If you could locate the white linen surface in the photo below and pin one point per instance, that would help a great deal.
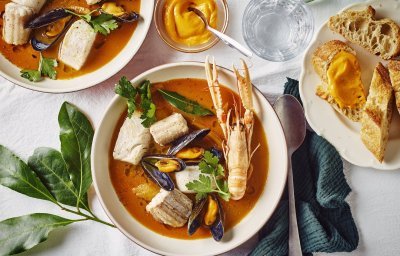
(28, 120)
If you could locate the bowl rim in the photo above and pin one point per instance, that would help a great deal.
(201, 49)
(120, 227)
(120, 65)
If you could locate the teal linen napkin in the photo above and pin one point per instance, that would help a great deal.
(324, 218)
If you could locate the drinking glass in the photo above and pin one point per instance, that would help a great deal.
(277, 30)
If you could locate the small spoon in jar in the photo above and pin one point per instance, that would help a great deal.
(224, 38)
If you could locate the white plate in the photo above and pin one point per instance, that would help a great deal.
(337, 129)
(12, 73)
(152, 241)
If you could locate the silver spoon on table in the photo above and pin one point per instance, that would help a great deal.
(224, 38)
(291, 114)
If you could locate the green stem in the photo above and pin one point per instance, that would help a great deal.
(87, 217)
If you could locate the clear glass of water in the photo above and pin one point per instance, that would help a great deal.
(277, 30)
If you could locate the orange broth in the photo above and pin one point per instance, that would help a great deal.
(104, 49)
(125, 176)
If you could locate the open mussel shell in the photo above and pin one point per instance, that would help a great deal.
(196, 217)
(157, 157)
(47, 18)
(216, 152)
(185, 140)
(217, 228)
(162, 179)
(128, 17)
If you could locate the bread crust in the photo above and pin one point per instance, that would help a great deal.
(394, 72)
(321, 61)
(380, 37)
(377, 116)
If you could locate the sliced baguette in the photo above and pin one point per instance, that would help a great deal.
(394, 71)
(377, 114)
(321, 60)
(380, 37)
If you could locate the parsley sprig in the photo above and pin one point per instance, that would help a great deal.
(212, 173)
(125, 89)
(103, 23)
(46, 68)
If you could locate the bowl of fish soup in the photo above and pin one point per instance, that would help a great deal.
(105, 59)
(167, 244)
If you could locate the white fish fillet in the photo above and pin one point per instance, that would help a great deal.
(90, 2)
(169, 129)
(77, 43)
(190, 174)
(36, 5)
(172, 208)
(14, 18)
(133, 140)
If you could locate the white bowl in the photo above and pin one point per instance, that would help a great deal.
(12, 73)
(152, 241)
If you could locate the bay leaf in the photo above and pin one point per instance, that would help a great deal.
(22, 233)
(16, 175)
(52, 170)
(76, 135)
(184, 104)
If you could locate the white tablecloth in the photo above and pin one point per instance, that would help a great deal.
(29, 120)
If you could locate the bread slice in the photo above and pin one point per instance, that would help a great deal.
(321, 60)
(380, 37)
(377, 114)
(394, 71)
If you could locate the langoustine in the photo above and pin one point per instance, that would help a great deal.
(238, 134)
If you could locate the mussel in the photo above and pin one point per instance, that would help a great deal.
(185, 140)
(162, 179)
(49, 27)
(118, 12)
(157, 167)
(200, 216)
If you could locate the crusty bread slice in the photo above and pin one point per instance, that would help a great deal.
(394, 71)
(380, 37)
(321, 60)
(377, 114)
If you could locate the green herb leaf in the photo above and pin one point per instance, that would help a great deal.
(52, 170)
(184, 104)
(46, 67)
(16, 175)
(22, 233)
(31, 75)
(125, 89)
(202, 185)
(104, 24)
(76, 137)
(212, 173)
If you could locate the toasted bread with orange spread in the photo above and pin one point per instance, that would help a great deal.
(336, 64)
(377, 116)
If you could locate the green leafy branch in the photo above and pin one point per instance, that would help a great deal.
(125, 89)
(212, 173)
(61, 177)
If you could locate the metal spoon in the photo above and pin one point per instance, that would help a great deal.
(291, 115)
(224, 38)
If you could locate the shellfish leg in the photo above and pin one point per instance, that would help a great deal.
(213, 86)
